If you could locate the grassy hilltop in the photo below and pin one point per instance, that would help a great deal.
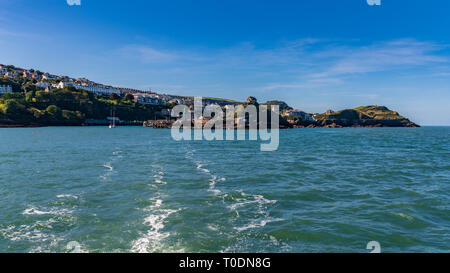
(372, 115)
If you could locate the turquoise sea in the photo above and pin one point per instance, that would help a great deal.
(133, 189)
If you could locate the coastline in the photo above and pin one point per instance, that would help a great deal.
(3, 126)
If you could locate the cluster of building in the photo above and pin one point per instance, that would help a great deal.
(5, 89)
(295, 113)
(96, 89)
(48, 82)
(150, 98)
(12, 72)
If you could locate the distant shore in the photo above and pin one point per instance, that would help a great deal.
(168, 126)
(60, 125)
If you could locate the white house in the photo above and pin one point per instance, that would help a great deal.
(43, 85)
(300, 114)
(5, 89)
(152, 99)
(47, 76)
(94, 89)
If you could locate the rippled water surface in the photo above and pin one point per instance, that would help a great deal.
(134, 189)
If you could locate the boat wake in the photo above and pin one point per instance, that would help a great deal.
(251, 211)
(43, 228)
(109, 165)
(213, 179)
(152, 241)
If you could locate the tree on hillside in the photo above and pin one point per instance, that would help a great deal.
(114, 96)
(53, 110)
(28, 87)
(70, 88)
(129, 97)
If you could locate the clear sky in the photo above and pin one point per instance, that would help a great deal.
(313, 54)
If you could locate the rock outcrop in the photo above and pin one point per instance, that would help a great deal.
(364, 116)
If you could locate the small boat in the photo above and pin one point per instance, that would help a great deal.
(113, 113)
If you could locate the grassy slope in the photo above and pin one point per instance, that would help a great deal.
(62, 106)
(363, 113)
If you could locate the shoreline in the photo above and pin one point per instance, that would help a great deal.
(5, 126)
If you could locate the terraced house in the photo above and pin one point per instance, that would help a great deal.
(5, 89)
(99, 90)
(152, 99)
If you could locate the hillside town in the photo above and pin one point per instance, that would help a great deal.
(33, 84)
(49, 82)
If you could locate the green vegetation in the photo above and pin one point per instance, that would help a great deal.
(379, 112)
(348, 114)
(68, 106)
(16, 85)
(363, 113)
(374, 116)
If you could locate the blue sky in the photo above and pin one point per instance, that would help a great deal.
(315, 55)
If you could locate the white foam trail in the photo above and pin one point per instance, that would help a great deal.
(407, 217)
(159, 179)
(67, 196)
(109, 172)
(213, 178)
(212, 184)
(33, 233)
(258, 223)
(152, 240)
(248, 201)
(39, 233)
(108, 165)
(200, 167)
(158, 174)
(259, 200)
(213, 227)
(34, 211)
